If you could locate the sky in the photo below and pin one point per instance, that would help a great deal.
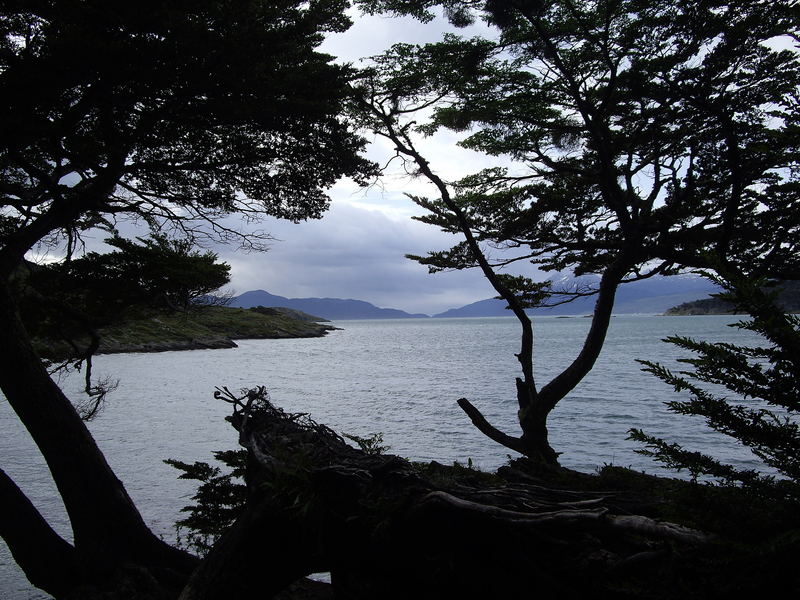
(357, 250)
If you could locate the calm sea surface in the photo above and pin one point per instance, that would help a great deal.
(398, 377)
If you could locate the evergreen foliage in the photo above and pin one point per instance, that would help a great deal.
(67, 303)
(158, 271)
(176, 115)
(221, 496)
(168, 113)
(614, 126)
(218, 500)
(370, 444)
(764, 384)
(622, 138)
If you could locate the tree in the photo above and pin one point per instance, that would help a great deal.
(177, 114)
(766, 381)
(314, 503)
(630, 138)
(162, 272)
(71, 301)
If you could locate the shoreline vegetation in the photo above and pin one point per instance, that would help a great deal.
(787, 298)
(617, 139)
(208, 327)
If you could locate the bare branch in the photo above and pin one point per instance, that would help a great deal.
(489, 430)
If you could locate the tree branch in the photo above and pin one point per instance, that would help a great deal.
(565, 382)
(488, 429)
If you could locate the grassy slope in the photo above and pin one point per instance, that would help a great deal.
(209, 327)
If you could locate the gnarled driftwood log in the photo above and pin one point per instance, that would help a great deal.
(386, 528)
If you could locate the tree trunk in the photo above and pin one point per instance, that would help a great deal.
(108, 529)
(49, 562)
(263, 550)
(535, 443)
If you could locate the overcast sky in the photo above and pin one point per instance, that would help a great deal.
(357, 250)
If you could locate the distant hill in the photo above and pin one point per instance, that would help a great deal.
(705, 306)
(650, 296)
(788, 299)
(328, 308)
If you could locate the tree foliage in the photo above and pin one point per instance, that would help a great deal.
(219, 498)
(764, 386)
(175, 114)
(69, 301)
(161, 272)
(629, 139)
(181, 112)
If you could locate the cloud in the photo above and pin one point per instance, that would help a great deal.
(372, 34)
(355, 252)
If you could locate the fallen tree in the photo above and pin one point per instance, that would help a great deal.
(388, 528)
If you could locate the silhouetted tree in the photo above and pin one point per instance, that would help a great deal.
(158, 271)
(173, 114)
(764, 379)
(630, 138)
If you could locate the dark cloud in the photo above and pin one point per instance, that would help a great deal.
(353, 252)
(357, 250)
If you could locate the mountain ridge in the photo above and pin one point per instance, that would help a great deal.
(649, 296)
(328, 308)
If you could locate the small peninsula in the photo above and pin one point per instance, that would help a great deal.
(201, 328)
(788, 298)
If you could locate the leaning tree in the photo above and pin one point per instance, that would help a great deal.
(624, 139)
(175, 114)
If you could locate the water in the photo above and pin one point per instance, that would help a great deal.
(398, 377)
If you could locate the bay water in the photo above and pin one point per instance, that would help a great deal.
(397, 377)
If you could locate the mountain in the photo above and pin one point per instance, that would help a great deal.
(649, 296)
(328, 308)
